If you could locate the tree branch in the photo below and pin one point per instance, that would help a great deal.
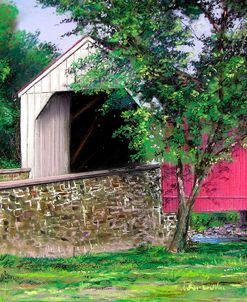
(209, 17)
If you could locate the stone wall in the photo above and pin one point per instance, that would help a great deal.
(169, 222)
(84, 212)
(13, 174)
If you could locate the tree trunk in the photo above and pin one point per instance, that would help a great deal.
(185, 206)
(243, 219)
(179, 240)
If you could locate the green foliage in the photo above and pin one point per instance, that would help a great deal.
(22, 56)
(4, 70)
(203, 221)
(137, 128)
(8, 164)
(201, 114)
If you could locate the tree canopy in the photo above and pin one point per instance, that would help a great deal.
(194, 111)
(22, 56)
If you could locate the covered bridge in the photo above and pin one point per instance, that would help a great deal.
(61, 133)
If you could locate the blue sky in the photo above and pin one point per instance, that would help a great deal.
(32, 17)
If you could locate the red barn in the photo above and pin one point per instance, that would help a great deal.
(225, 189)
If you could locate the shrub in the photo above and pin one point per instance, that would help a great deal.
(203, 221)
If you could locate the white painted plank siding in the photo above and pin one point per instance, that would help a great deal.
(24, 131)
(44, 76)
(45, 125)
(56, 79)
(70, 77)
(45, 85)
(44, 99)
(62, 76)
(52, 138)
(30, 135)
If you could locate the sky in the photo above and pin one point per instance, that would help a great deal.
(32, 18)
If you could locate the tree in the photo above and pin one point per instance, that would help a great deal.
(193, 112)
(22, 56)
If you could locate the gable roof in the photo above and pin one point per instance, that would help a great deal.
(54, 64)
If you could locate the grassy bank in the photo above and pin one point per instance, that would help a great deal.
(205, 273)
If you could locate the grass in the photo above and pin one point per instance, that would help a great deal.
(205, 273)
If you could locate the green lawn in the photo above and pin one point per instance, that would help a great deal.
(205, 273)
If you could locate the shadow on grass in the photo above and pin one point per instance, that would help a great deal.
(141, 258)
(142, 274)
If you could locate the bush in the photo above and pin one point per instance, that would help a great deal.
(203, 221)
(8, 164)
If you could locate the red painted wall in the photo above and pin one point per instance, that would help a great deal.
(225, 189)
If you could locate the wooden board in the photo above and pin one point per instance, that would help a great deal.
(225, 189)
(52, 131)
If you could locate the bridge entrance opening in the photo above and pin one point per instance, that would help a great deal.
(92, 146)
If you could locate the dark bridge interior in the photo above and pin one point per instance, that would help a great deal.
(91, 144)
